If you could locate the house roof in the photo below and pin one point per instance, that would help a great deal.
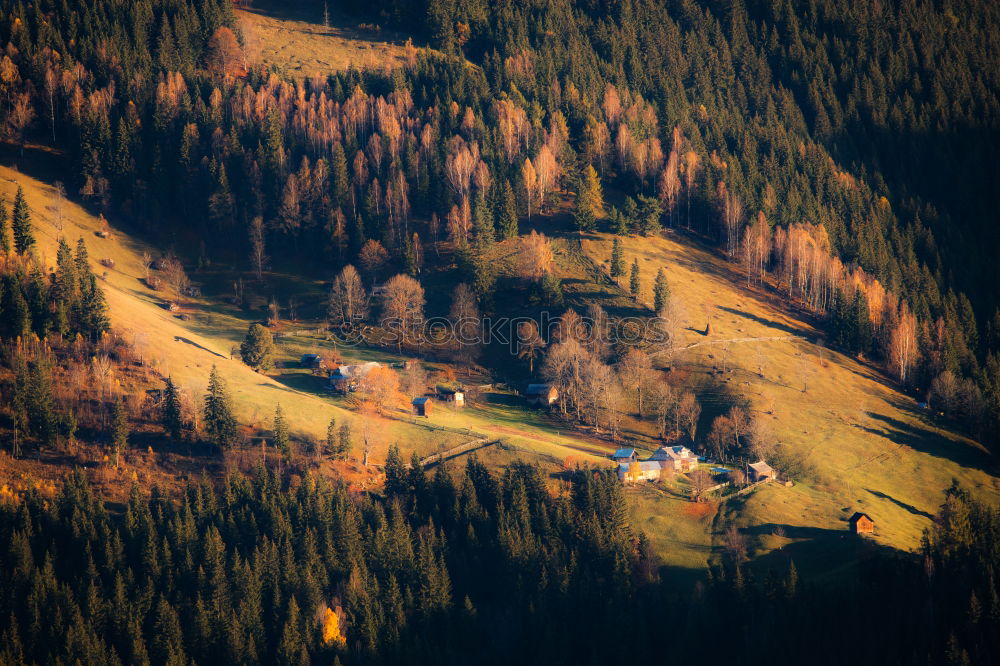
(421, 401)
(359, 370)
(538, 389)
(644, 466)
(673, 453)
(448, 390)
(310, 357)
(761, 467)
(624, 453)
(858, 516)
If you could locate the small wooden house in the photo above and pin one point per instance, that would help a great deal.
(633, 472)
(422, 406)
(310, 361)
(761, 471)
(541, 394)
(862, 523)
(449, 394)
(624, 456)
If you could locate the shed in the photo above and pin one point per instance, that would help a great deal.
(422, 406)
(310, 361)
(624, 455)
(541, 394)
(761, 471)
(862, 523)
(449, 394)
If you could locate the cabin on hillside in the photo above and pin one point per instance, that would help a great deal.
(311, 361)
(624, 455)
(422, 406)
(450, 394)
(633, 472)
(862, 523)
(345, 378)
(541, 394)
(681, 458)
(761, 471)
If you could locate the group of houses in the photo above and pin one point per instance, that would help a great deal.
(666, 459)
(672, 459)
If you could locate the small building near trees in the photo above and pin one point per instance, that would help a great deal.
(422, 406)
(761, 471)
(862, 523)
(626, 455)
(451, 394)
(541, 394)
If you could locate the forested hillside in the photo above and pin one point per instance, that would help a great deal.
(817, 175)
(720, 118)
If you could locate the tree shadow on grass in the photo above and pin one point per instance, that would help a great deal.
(931, 443)
(903, 505)
(764, 321)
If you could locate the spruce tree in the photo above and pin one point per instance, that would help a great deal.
(170, 413)
(82, 261)
(21, 223)
(220, 423)
(395, 473)
(66, 282)
(282, 442)
(633, 279)
(344, 440)
(507, 213)
(257, 349)
(93, 311)
(16, 311)
(331, 436)
(617, 259)
(482, 223)
(119, 429)
(4, 237)
(589, 200)
(661, 291)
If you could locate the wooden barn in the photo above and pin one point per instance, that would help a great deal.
(541, 394)
(862, 523)
(451, 394)
(761, 471)
(422, 406)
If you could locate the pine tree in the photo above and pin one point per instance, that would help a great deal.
(633, 279)
(16, 311)
(331, 436)
(119, 429)
(4, 237)
(170, 414)
(395, 473)
(344, 440)
(66, 282)
(482, 221)
(82, 261)
(589, 200)
(257, 349)
(280, 428)
(617, 259)
(650, 211)
(220, 423)
(21, 223)
(661, 291)
(93, 312)
(507, 213)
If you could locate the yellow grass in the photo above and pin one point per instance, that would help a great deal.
(856, 443)
(297, 43)
(186, 350)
